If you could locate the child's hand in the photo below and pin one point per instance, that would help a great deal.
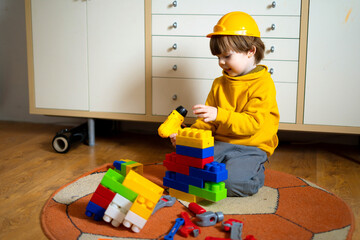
(173, 139)
(208, 113)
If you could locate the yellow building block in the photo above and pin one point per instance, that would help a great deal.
(196, 138)
(137, 167)
(143, 186)
(143, 207)
(184, 196)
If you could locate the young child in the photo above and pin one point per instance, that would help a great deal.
(241, 108)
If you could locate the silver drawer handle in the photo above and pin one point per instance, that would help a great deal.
(174, 97)
(273, 4)
(174, 46)
(271, 71)
(174, 25)
(272, 49)
(174, 67)
(174, 3)
(272, 27)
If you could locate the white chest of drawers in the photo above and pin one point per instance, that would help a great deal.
(182, 65)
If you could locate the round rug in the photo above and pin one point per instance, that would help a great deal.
(287, 207)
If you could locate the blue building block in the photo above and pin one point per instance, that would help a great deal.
(212, 172)
(96, 210)
(170, 181)
(195, 152)
(190, 180)
(117, 164)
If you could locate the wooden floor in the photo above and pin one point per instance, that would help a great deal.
(31, 171)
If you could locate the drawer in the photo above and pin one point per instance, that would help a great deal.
(169, 93)
(259, 7)
(286, 95)
(282, 71)
(176, 46)
(185, 68)
(281, 49)
(201, 25)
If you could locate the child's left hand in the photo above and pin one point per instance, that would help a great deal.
(208, 113)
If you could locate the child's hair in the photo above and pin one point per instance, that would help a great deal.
(224, 43)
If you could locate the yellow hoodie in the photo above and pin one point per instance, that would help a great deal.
(247, 110)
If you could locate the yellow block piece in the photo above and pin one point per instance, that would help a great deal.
(143, 186)
(137, 167)
(143, 207)
(184, 196)
(193, 137)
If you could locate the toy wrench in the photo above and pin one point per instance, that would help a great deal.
(174, 229)
(165, 201)
(189, 226)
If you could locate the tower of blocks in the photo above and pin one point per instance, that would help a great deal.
(192, 174)
(124, 196)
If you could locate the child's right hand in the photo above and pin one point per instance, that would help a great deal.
(173, 139)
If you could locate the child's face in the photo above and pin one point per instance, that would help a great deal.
(236, 64)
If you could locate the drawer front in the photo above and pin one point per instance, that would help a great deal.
(283, 71)
(175, 46)
(286, 94)
(201, 25)
(281, 49)
(259, 7)
(185, 68)
(169, 93)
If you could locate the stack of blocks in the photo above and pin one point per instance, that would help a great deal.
(124, 196)
(192, 172)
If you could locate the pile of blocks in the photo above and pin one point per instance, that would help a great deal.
(124, 196)
(192, 174)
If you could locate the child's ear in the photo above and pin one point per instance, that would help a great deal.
(251, 52)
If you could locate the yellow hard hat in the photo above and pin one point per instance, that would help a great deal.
(236, 23)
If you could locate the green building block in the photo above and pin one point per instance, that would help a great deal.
(211, 191)
(113, 180)
(124, 167)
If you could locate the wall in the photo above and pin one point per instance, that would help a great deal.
(14, 96)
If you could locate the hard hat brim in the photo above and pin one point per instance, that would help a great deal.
(231, 33)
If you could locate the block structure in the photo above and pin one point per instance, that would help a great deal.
(124, 196)
(191, 170)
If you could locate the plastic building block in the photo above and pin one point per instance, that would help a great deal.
(195, 152)
(171, 164)
(190, 180)
(215, 238)
(105, 192)
(165, 201)
(211, 191)
(178, 223)
(100, 200)
(212, 172)
(189, 226)
(196, 138)
(143, 186)
(116, 211)
(173, 122)
(143, 207)
(113, 180)
(136, 167)
(125, 165)
(196, 208)
(192, 161)
(95, 210)
(170, 181)
(249, 237)
(184, 196)
(134, 221)
(209, 218)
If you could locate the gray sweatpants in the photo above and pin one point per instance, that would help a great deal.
(244, 165)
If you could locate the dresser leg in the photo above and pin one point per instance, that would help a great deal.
(91, 131)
